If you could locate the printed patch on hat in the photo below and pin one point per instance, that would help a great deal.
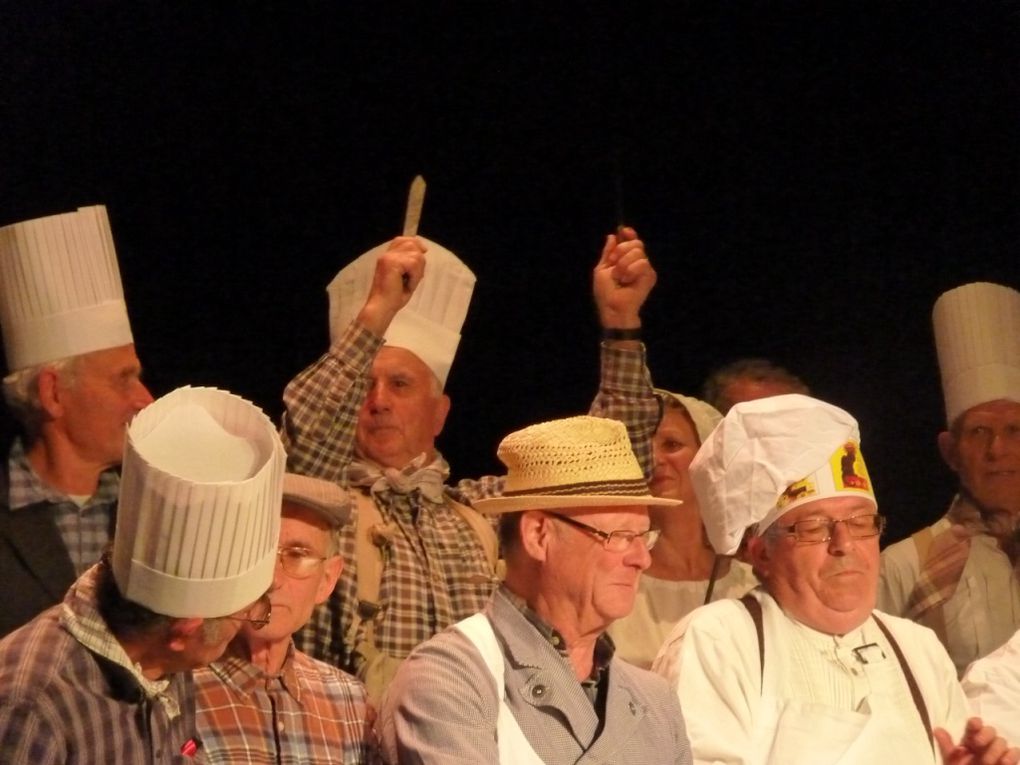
(806, 487)
(849, 472)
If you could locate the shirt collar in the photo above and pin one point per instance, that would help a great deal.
(234, 669)
(604, 646)
(27, 488)
(80, 617)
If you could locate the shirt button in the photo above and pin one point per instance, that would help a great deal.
(279, 726)
(538, 691)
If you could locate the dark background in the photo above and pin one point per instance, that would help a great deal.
(808, 178)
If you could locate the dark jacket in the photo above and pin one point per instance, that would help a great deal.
(35, 568)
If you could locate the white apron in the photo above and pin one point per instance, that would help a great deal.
(791, 732)
(514, 747)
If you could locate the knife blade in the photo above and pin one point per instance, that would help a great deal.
(415, 200)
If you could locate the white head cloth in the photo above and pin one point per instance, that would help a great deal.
(60, 289)
(429, 325)
(763, 448)
(199, 515)
(977, 337)
(704, 415)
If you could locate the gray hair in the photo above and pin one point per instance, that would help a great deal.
(758, 370)
(21, 391)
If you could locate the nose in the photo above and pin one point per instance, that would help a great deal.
(142, 397)
(658, 454)
(840, 539)
(279, 575)
(996, 446)
(638, 555)
(378, 399)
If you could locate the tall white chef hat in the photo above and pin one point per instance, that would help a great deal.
(771, 455)
(198, 521)
(429, 325)
(977, 337)
(60, 289)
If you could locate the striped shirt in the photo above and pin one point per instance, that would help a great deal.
(436, 571)
(63, 702)
(310, 712)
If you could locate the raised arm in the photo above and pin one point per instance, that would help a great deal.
(621, 282)
(323, 401)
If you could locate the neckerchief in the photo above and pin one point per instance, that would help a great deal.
(427, 479)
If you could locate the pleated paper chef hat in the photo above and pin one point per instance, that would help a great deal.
(198, 521)
(60, 289)
(770, 456)
(977, 337)
(429, 325)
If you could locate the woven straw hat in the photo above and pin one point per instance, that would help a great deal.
(575, 462)
(324, 498)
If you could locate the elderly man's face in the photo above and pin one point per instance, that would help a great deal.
(99, 401)
(984, 449)
(829, 586)
(314, 569)
(588, 584)
(403, 412)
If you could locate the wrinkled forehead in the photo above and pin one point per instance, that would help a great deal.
(393, 359)
(1000, 411)
(109, 359)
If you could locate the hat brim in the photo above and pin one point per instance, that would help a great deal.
(337, 517)
(498, 505)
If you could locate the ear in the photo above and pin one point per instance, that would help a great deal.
(331, 572)
(181, 631)
(50, 392)
(439, 417)
(536, 533)
(947, 448)
(758, 555)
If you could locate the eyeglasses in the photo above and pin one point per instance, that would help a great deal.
(257, 614)
(811, 531)
(298, 562)
(614, 541)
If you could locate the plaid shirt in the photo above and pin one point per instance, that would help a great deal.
(86, 530)
(311, 712)
(324, 400)
(62, 701)
(435, 571)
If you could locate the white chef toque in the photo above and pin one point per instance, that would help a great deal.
(198, 520)
(60, 288)
(429, 325)
(977, 337)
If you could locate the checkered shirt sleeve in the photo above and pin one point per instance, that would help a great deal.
(626, 394)
(322, 405)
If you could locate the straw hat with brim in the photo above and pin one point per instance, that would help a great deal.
(575, 462)
(324, 498)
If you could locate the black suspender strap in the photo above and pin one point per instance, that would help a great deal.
(754, 608)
